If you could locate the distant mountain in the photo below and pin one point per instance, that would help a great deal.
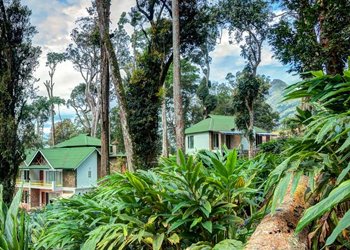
(285, 109)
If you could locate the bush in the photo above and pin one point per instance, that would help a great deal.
(171, 207)
(276, 146)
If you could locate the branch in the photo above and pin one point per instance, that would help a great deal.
(142, 11)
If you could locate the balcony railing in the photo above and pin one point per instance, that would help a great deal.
(39, 183)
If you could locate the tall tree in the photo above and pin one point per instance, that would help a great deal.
(179, 116)
(40, 110)
(85, 55)
(165, 138)
(209, 101)
(53, 59)
(65, 130)
(82, 108)
(103, 10)
(105, 86)
(193, 110)
(312, 35)
(248, 22)
(18, 60)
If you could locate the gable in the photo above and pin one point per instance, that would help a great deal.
(35, 160)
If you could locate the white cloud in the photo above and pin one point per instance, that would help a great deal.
(54, 21)
(224, 48)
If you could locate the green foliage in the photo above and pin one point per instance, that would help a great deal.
(249, 95)
(170, 207)
(18, 60)
(322, 154)
(309, 35)
(65, 130)
(13, 224)
(274, 146)
(208, 100)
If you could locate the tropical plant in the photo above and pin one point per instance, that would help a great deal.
(173, 206)
(13, 224)
(322, 154)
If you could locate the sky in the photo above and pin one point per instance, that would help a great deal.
(54, 20)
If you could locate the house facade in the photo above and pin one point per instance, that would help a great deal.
(216, 131)
(72, 167)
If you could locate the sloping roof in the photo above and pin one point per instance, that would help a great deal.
(216, 123)
(62, 158)
(66, 158)
(82, 140)
(213, 123)
(29, 156)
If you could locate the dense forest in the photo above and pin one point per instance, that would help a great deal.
(147, 78)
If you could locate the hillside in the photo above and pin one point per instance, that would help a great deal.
(275, 98)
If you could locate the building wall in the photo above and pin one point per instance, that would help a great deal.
(200, 141)
(69, 179)
(90, 164)
(35, 197)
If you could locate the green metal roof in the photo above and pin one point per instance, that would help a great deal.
(82, 140)
(216, 123)
(29, 156)
(66, 158)
(60, 158)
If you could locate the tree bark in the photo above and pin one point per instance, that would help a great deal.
(334, 63)
(277, 231)
(103, 9)
(165, 152)
(251, 136)
(179, 119)
(105, 169)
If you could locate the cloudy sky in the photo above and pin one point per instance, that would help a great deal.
(54, 20)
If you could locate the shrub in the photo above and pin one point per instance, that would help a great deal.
(171, 207)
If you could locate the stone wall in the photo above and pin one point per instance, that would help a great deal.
(69, 178)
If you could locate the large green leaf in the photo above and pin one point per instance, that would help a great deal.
(280, 191)
(229, 245)
(342, 224)
(158, 241)
(337, 195)
(208, 225)
(11, 220)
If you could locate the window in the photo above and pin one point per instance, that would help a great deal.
(89, 174)
(50, 176)
(215, 140)
(26, 175)
(190, 141)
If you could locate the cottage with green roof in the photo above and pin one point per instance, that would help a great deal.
(71, 167)
(218, 130)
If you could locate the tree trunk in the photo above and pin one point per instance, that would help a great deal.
(334, 63)
(179, 119)
(52, 114)
(103, 9)
(165, 152)
(105, 170)
(251, 136)
(277, 231)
